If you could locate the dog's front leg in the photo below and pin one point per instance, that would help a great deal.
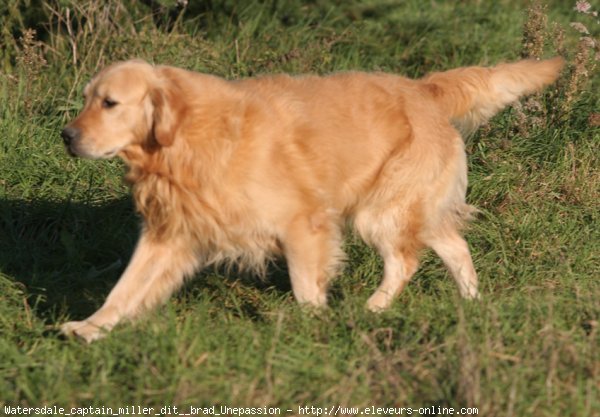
(156, 269)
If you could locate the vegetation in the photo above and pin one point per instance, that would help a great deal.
(530, 347)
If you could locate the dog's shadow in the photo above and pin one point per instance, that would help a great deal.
(67, 256)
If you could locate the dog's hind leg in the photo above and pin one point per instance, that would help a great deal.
(454, 251)
(312, 248)
(400, 263)
(154, 272)
(393, 229)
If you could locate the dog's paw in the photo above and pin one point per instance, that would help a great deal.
(470, 293)
(84, 330)
(379, 302)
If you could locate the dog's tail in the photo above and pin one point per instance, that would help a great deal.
(471, 95)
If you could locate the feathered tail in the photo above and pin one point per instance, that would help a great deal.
(471, 95)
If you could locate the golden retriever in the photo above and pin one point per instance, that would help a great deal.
(277, 165)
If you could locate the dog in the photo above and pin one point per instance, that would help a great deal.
(245, 170)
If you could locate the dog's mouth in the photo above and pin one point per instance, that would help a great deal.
(77, 152)
(111, 153)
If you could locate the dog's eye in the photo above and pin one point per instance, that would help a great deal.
(108, 103)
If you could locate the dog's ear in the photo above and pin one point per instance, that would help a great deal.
(167, 114)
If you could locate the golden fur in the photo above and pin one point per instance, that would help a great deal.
(244, 170)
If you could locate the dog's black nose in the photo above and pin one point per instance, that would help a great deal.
(70, 134)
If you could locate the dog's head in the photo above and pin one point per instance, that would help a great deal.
(126, 104)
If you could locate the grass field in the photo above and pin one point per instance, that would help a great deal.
(530, 347)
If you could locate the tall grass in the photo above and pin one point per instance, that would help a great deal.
(67, 226)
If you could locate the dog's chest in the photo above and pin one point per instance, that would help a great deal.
(222, 226)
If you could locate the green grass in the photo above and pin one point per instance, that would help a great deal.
(67, 229)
